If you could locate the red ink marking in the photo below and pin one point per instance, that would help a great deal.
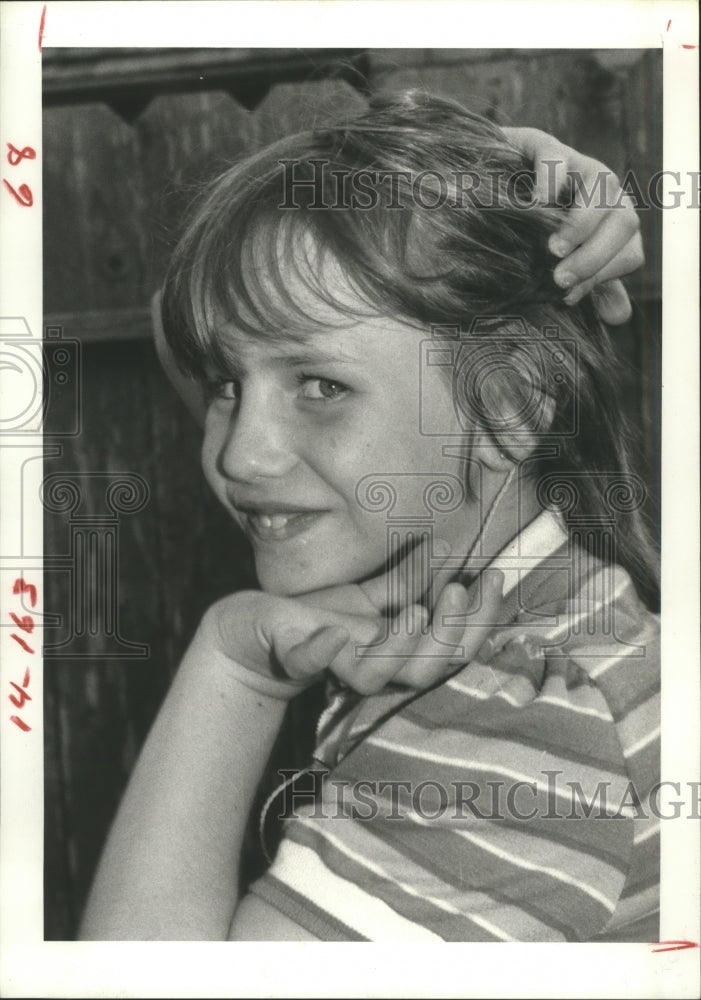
(668, 22)
(23, 195)
(41, 27)
(689, 46)
(16, 155)
(26, 622)
(22, 643)
(19, 696)
(22, 696)
(20, 587)
(676, 945)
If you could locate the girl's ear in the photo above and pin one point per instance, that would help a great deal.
(514, 434)
(505, 396)
(188, 390)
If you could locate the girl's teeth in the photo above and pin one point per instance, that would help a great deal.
(273, 521)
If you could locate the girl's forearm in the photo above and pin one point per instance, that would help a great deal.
(170, 866)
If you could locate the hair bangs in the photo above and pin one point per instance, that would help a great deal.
(259, 271)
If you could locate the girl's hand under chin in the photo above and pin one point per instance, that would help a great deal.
(398, 627)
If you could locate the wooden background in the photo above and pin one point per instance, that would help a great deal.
(129, 136)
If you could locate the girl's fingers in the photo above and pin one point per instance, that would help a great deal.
(462, 621)
(599, 292)
(611, 298)
(599, 238)
(612, 302)
(433, 657)
(368, 667)
(313, 655)
(486, 613)
(550, 158)
(409, 648)
(602, 255)
(595, 194)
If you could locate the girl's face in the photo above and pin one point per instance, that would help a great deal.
(293, 431)
(291, 435)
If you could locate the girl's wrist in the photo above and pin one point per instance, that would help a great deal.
(235, 668)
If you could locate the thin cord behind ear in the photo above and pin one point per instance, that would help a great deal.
(490, 513)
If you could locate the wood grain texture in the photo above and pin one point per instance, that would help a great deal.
(87, 325)
(184, 141)
(94, 239)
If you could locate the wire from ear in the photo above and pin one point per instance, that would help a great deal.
(489, 516)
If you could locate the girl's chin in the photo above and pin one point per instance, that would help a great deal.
(281, 587)
(275, 580)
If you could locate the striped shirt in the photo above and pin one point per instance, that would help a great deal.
(511, 802)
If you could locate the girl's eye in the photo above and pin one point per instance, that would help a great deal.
(221, 389)
(325, 389)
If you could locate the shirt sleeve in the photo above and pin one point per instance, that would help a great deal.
(511, 803)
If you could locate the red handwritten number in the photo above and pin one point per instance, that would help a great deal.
(15, 155)
(23, 644)
(680, 945)
(23, 194)
(26, 622)
(21, 587)
(24, 696)
(42, 24)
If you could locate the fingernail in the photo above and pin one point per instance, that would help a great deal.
(573, 297)
(558, 246)
(565, 279)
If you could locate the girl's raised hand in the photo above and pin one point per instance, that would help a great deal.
(427, 625)
(405, 626)
(599, 240)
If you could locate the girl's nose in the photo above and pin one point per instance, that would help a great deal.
(259, 441)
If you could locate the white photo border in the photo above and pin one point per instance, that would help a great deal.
(34, 967)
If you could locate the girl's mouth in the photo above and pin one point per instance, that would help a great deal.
(278, 527)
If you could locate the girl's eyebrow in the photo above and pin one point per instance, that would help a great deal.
(237, 367)
(229, 367)
(313, 357)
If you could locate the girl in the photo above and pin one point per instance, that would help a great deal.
(424, 447)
